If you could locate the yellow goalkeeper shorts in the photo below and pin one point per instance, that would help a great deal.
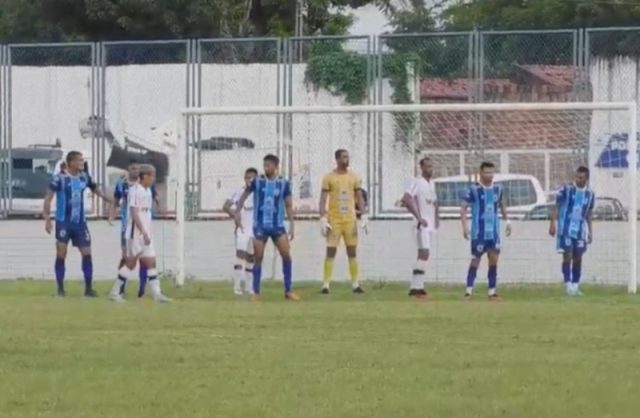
(346, 230)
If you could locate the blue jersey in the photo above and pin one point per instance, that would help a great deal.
(69, 192)
(574, 206)
(121, 194)
(485, 203)
(269, 196)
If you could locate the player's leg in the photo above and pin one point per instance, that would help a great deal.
(493, 255)
(81, 238)
(125, 273)
(258, 255)
(248, 268)
(143, 275)
(579, 248)
(148, 259)
(123, 257)
(59, 267)
(333, 240)
(281, 242)
(238, 265)
(350, 235)
(567, 257)
(477, 250)
(416, 288)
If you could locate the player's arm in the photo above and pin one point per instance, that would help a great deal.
(322, 206)
(113, 209)
(288, 204)
(505, 216)
(98, 191)
(409, 201)
(240, 204)
(228, 208)
(156, 199)
(361, 206)
(590, 219)
(554, 210)
(54, 186)
(437, 214)
(464, 207)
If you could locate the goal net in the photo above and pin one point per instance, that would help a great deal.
(536, 147)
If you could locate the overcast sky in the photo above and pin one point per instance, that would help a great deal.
(369, 20)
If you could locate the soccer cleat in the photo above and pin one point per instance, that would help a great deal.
(358, 290)
(413, 292)
(116, 297)
(494, 298)
(291, 296)
(238, 292)
(467, 296)
(160, 298)
(325, 291)
(90, 293)
(61, 293)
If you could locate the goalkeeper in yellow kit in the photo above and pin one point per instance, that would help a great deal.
(341, 188)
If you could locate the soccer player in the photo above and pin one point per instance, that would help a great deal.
(341, 188)
(485, 199)
(571, 224)
(139, 245)
(68, 188)
(271, 199)
(244, 238)
(422, 202)
(120, 195)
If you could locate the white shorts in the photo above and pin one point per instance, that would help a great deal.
(424, 237)
(137, 248)
(244, 242)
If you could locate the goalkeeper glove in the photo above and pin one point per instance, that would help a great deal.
(364, 223)
(324, 226)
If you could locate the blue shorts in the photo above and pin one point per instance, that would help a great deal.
(78, 234)
(264, 234)
(481, 246)
(577, 247)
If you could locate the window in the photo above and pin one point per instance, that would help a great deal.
(519, 192)
(451, 193)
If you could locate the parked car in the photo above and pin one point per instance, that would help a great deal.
(606, 209)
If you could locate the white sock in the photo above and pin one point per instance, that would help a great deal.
(124, 274)
(155, 287)
(115, 290)
(238, 278)
(469, 290)
(248, 282)
(492, 291)
(355, 285)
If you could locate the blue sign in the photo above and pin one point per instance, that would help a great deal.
(614, 155)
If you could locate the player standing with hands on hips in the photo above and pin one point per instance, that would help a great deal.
(485, 199)
(272, 197)
(572, 226)
(68, 187)
(421, 201)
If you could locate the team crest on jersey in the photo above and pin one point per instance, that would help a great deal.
(63, 233)
(480, 248)
(567, 241)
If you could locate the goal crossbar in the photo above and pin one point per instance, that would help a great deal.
(632, 158)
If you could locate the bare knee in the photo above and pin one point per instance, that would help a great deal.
(331, 252)
(423, 254)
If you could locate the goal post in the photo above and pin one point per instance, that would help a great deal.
(535, 146)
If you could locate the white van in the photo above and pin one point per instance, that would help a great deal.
(521, 193)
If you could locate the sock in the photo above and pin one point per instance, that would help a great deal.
(576, 272)
(248, 279)
(286, 272)
(257, 276)
(328, 271)
(123, 275)
(417, 280)
(471, 278)
(154, 285)
(566, 272)
(493, 278)
(87, 270)
(353, 272)
(143, 274)
(238, 277)
(59, 269)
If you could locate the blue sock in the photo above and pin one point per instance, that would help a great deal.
(493, 277)
(143, 280)
(257, 275)
(59, 269)
(87, 270)
(471, 276)
(286, 272)
(576, 272)
(566, 272)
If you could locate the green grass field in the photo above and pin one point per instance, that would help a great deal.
(536, 354)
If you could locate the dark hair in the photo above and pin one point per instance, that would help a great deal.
(339, 152)
(251, 170)
(424, 160)
(272, 158)
(133, 161)
(487, 164)
(583, 169)
(145, 170)
(72, 155)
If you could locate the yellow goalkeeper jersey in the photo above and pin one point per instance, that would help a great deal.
(342, 188)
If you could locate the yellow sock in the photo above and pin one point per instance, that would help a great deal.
(328, 271)
(353, 270)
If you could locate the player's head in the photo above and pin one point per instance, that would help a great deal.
(134, 170)
(487, 170)
(147, 175)
(271, 163)
(582, 176)
(342, 158)
(63, 167)
(249, 174)
(426, 167)
(75, 162)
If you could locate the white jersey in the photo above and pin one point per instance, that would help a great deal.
(424, 194)
(246, 215)
(141, 198)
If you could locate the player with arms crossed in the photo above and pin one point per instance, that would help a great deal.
(421, 201)
(485, 199)
(139, 244)
(244, 238)
(271, 198)
(572, 226)
(68, 187)
(342, 190)
(121, 195)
